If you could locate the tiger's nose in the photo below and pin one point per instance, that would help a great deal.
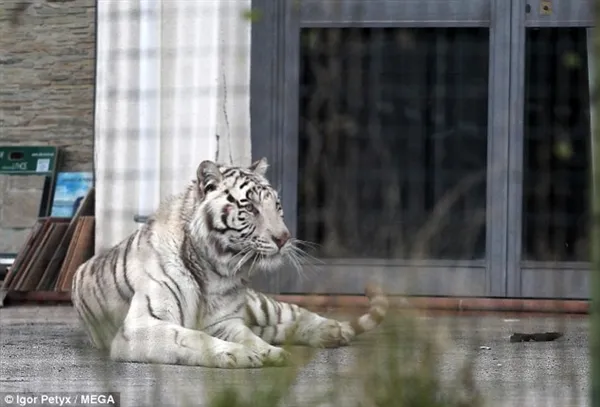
(282, 239)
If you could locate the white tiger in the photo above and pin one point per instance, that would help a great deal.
(176, 290)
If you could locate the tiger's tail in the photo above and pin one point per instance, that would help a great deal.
(378, 306)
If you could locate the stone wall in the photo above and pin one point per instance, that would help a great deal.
(47, 63)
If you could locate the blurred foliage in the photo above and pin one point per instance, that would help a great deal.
(563, 149)
(572, 60)
(252, 15)
(401, 369)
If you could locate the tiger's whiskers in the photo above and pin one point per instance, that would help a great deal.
(300, 258)
(244, 255)
(311, 245)
(256, 258)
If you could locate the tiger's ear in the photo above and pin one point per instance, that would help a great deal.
(260, 167)
(208, 176)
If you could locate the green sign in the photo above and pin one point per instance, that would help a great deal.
(25, 160)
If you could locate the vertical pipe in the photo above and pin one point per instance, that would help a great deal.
(149, 108)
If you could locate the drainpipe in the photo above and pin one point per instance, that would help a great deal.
(149, 109)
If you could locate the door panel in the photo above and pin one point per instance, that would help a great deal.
(552, 153)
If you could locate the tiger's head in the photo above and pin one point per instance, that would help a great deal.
(242, 214)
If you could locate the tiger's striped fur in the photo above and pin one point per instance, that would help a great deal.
(176, 290)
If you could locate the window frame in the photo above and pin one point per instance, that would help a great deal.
(532, 278)
(274, 113)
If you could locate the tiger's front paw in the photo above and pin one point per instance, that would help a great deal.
(238, 357)
(274, 356)
(332, 334)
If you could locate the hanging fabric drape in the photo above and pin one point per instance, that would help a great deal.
(172, 89)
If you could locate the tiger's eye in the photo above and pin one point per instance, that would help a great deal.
(250, 208)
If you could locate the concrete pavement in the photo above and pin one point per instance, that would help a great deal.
(44, 349)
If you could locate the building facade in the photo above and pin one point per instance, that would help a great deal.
(441, 147)
(47, 71)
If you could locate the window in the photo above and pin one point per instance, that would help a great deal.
(557, 146)
(393, 142)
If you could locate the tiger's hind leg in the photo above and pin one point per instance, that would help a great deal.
(278, 322)
(150, 335)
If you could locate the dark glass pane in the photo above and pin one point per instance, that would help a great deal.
(557, 146)
(393, 142)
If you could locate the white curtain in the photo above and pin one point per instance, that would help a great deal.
(173, 89)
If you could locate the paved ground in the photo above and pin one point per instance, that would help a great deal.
(43, 349)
